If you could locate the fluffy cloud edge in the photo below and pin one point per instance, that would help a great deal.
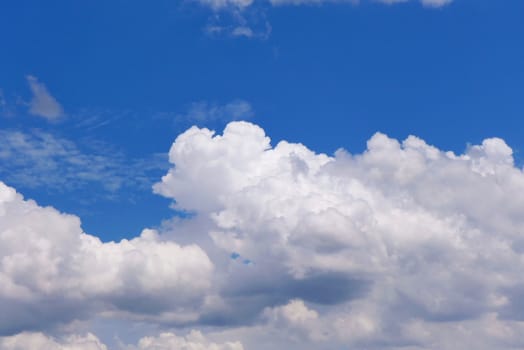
(52, 272)
(165, 341)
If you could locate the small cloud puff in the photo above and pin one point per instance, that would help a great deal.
(43, 104)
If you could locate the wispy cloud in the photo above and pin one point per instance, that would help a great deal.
(2, 99)
(248, 18)
(245, 4)
(237, 18)
(6, 110)
(221, 4)
(40, 159)
(436, 3)
(42, 103)
(90, 119)
(3, 103)
(205, 111)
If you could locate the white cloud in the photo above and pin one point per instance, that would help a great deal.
(203, 111)
(52, 273)
(309, 2)
(43, 104)
(243, 31)
(404, 246)
(436, 3)
(401, 232)
(428, 3)
(25, 341)
(221, 4)
(195, 340)
(248, 18)
(243, 4)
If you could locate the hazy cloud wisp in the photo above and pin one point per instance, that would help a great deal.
(42, 103)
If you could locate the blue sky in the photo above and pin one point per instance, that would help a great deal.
(93, 95)
(328, 76)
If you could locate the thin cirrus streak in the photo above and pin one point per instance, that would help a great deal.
(243, 4)
(38, 158)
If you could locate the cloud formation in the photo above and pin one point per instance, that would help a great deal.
(248, 18)
(42, 103)
(52, 273)
(401, 246)
(242, 4)
(220, 4)
(41, 159)
(25, 341)
(410, 227)
(204, 111)
(195, 340)
(165, 341)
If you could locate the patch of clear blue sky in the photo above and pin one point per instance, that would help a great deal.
(328, 76)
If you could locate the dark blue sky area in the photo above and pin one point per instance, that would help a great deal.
(326, 76)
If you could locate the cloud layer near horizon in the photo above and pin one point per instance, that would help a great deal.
(402, 246)
(242, 4)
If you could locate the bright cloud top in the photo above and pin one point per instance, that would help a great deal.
(402, 245)
(424, 234)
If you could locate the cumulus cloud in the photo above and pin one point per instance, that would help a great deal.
(195, 340)
(52, 273)
(420, 233)
(402, 246)
(43, 104)
(24, 341)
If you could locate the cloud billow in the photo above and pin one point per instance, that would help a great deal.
(412, 225)
(53, 273)
(403, 245)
